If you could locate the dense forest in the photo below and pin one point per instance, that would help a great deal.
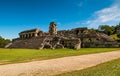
(3, 42)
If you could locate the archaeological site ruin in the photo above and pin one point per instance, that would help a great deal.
(75, 38)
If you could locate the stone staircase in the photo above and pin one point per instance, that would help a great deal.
(27, 43)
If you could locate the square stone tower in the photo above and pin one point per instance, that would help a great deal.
(52, 28)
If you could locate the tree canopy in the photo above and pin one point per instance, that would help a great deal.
(113, 31)
(109, 30)
(3, 42)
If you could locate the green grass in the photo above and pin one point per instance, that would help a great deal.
(111, 68)
(24, 55)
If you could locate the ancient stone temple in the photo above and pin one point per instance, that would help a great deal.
(30, 33)
(74, 38)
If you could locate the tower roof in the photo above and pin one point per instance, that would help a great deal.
(53, 23)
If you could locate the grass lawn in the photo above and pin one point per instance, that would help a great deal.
(23, 55)
(111, 68)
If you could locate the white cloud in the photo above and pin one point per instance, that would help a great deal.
(109, 16)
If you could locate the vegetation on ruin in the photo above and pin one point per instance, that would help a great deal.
(113, 31)
(114, 36)
(111, 68)
(8, 56)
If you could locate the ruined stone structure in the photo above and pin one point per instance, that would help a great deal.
(90, 38)
(52, 28)
(74, 38)
(30, 33)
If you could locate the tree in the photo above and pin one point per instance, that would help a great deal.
(3, 42)
(117, 29)
(109, 30)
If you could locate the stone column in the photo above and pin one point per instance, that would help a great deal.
(33, 34)
(23, 36)
(36, 35)
(27, 35)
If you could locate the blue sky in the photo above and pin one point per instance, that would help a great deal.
(19, 15)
